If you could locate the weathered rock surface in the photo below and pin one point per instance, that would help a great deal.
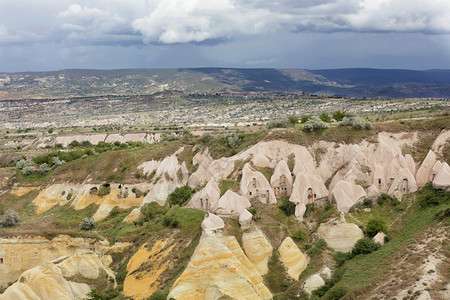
(206, 199)
(254, 184)
(53, 195)
(45, 282)
(232, 204)
(219, 268)
(212, 223)
(21, 254)
(345, 194)
(133, 216)
(293, 259)
(442, 179)
(281, 180)
(87, 265)
(257, 249)
(245, 219)
(307, 189)
(145, 267)
(424, 173)
(312, 283)
(379, 238)
(340, 236)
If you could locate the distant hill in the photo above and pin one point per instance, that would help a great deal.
(340, 82)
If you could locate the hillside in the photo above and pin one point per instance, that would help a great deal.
(341, 82)
(261, 214)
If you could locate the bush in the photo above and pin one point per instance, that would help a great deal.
(151, 210)
(28, 170)
(356, 122)
(385, 198)
(305, 118)
(428, 197)
(325, 117)
(341, 257)
(104, 190)
(314, 124)
(336, 292)
(376, 225)
(180, 195)
(287, 206)
(21, 164)
(87, 224)
(57, 162)
(317, 247)
(277, 124)
(300, 235)
(338, 115)
(74, 144)
(159, 295)
(43, 168)
(206, 137)
(10, 218)
(293, 120)
(364, 246)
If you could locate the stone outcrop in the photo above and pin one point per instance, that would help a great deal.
(87, 265)
(45, 282)
(379, 238)
(307, 189)
(207, 198)
(345, 194)
(133, 216)
(203, 160)
(312, 283)
(281, 180)
(254, 184)
(231, 204)
(340, 236)
(245, 219)
(424, 173)
(20, 254)
(145, 267)
(212, 223)
(293, 259)
(442, 179)
(219, 268)
(257, 249)
(54, 195)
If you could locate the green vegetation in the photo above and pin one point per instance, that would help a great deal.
(226, 185)
(287, 206)
(87, 224)
(277, 280)
(314, 124)
(376, 225)
(300, 235)
(9, 219)
(364, 246)
(180, 196)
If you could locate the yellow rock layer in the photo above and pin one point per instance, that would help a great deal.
(20, 191)
(294, 260)
(258, 249)
(219, 268)
(141, 284)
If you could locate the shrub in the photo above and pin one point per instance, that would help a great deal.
(293, 120)
(159, 295)
(87, 224)
(287, 206)
(57, 162)
(10, 218)
(376, 225)
(341, 257)
(385, 198)
(206, 137)
(364, 246)
(151, 210)
(43, 168)
(23, 163)
(317, 247)
(336, 292)
(277, 124)
(367, 202)
(300, 235)
(314, 124)
(356, 122)
(325, 117)
(338, 115)
(428, 197)
(74, 144)
(28, 170)
(305, 118)
(180, 195)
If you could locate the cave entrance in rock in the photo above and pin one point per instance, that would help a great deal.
(1, 260)
(405, 185)
(93, 191)
(310, 195)
(254, 182)
(379, 183)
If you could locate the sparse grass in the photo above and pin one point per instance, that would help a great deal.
(226, 185)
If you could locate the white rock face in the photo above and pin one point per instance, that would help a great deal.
(312, 283)
(254, 184)
(212, 223)
(307, 189)
(257, 248)
(293, 259)
(379, 238)
(245, 219)
(203, 159)
(345, 194)
(424, 172)
(281, 180)
(442, 179)
(207, 198)
(232, 204)
(340, 236)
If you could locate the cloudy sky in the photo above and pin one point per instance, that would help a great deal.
(315, 34)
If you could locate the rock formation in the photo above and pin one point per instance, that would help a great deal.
(134, 215)
(207, 198)
(231, 204)
(245, 219)
(340, 236)
(212, 223)
(312, 283)
(442, 178)
(345, 194)
(257, 249)
(424, 173)
(293, 259)
(379, 238)
(254, 184)
(219, 268)
(281, 180)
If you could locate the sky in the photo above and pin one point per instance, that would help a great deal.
(40, 35)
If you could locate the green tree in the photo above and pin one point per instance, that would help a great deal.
(376, 225)
(180, 195)
(293, 120)
(339, 115)
(305, 118)
(325, 117)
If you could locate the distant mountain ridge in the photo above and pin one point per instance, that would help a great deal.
(358, 82)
